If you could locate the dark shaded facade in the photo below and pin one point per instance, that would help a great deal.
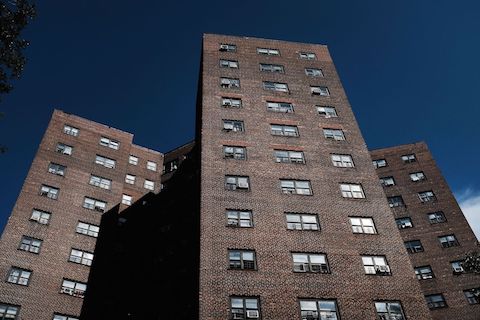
(433, 227)
(79, 171)
(146, 258)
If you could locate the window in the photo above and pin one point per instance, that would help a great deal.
(244, 308)
(472, 295)
(380, 163)
(242, 259)
(307, 55)
(104, 161)
(319, 309)
(285, 107)
(231, 102)
(408, 158)
(299, 221)
(81, 257)
(233, 125)
(271, 68)
(342, 160)
(350, 190)
(286, 156)
(237, 183)
(319, 91)
(152, 165)
(435, 301)
(57, 316)
(170, 166)
(424, 273)
(227, 47)
(275, 86)
(107, 142)
(268, 52)
(313, 72)
(49, 192)
(130, 179)
(334, 134)
(362, 225)
(234, 152)
(376, 265)
(448, 241)
(64, 149)
(301, 187)
(403, 223)
(88, 229)
(126, 199)
(19, 276)
(42, 217)
(427, 196)
(436, 217)
(239, 218)
(457, 267)
(327, 112)
(100, 182)
(233, 64)
(284, 130)
(133, 160)
(57, 169)
(94, 204)
(72, 131)
(389, 310)
(73, 288)
(306, 262)
(30, 244)
(229, 83)
(414, 246)
(387, 181)
(148, 184)
(395, 201)
(8, 311)
(417, 176)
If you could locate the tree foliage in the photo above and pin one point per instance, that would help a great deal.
(472, 262)
(14, 17)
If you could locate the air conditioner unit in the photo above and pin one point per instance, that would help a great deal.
(223, 47)
(232, 222)
(227, 103)
(253, 314)
(382, 269)
(237, 316)
(457, 270)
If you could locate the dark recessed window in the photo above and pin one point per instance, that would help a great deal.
(395, 201)
(64, 149)
(436, 301)
(409, 158)
(275, 68)
(448, 241)
(233, 126)
(472, 295)
(313, 72)
(319, 91)
(49, 192)
(436, 217)
(417, 176)
(30, 244)
(334, 134)
(414, 246)
(327, 112)
(404, 223)
(58, 316)
(387, 181)
(380, 163)
(427, 196)
(9, 311)
(235, 152)
(18, 276)
(424, 273)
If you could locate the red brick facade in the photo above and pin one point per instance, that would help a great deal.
(444, 280)
(274, 283)
(42, 297)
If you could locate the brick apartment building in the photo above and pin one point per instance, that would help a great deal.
(435, 232)
(273, 212)
(293, 221)
(81, 170)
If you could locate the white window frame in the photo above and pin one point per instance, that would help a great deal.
(94, 204)
(319, 91)
(105, 161)
(100, 182)
(268, 52)
(127, 199)
(230, 102)
(364, 225)
(298, 187)
(107, 142)
(352, 191)
(284, 130)
(334, 134)
(229, 83)
(87, 229)
(327, 111)
(302, 221)
(284, 107)
(63, 148)
(274, 68)
(149, 185)
(70, 130)
(342, 160)
(314, 72)
(275, 86)
(40, 216)
(133, 160)
(234, 183)
(375, 265)
(307, 55)
(151, 165)
(232, 64)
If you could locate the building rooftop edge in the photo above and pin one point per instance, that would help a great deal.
(398, 145)
(267, 39)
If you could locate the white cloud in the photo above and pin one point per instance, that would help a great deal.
(469, 201)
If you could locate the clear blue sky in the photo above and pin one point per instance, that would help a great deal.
(411, 70)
